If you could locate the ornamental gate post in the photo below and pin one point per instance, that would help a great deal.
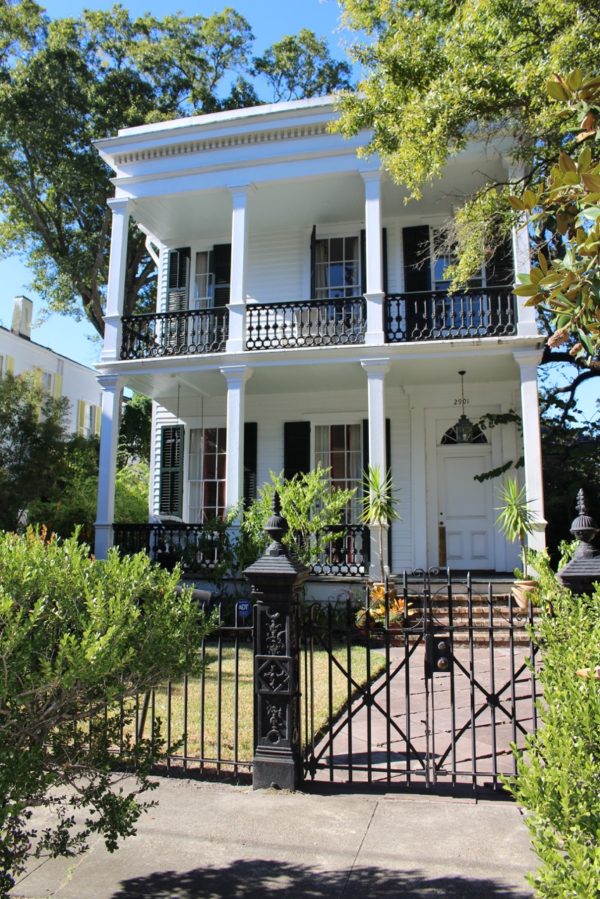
(276, 579)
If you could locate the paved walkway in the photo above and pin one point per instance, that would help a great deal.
(216, 840)
(441, 726)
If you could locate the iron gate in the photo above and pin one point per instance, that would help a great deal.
(428, 686)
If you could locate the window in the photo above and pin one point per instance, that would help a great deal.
(442, 258)
(208, 451)
(337, 268)
(88, 419)
(339, 448)
(204, 282)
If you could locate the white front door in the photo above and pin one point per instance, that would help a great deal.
(465, 507)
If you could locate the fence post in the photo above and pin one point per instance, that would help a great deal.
(276, 579)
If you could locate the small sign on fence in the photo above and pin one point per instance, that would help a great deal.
(244, 608)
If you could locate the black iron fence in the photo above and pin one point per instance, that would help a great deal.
(306, 323)
(182, 333)
(438, 315)
(206, 721)
(427, 686)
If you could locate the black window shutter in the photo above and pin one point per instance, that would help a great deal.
(178, 279)
(499, 269)
(171, 470)
(417, 268)
(363, 260)
(313, 262)
(250, 461)
(296, 448)
(221, 269)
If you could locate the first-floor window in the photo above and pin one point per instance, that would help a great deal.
(208, 451)
(338, 447)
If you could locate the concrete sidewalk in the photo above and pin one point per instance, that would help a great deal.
(212, 840)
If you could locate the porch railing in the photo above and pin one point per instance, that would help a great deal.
(439, 315)
(306, 323)
(200, 550)
(187, 333)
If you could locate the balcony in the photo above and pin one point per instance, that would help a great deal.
(439, 315)
(435, 315)
(183, 333)
(306, 323)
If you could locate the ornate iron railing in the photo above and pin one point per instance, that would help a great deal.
(438, 315)
(188, 333)
(198, 549)
(307, 323)
(347, 554)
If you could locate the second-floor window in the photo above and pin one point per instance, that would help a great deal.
(337, 268)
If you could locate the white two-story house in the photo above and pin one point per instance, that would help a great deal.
(302, 317)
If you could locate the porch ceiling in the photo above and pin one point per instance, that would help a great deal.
(301, 202)
(278, 373)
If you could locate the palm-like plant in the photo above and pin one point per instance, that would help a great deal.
(516, 521)
(379, 503)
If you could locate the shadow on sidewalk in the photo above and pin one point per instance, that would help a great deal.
(262, 877)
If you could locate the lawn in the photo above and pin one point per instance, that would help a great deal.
(210, 719)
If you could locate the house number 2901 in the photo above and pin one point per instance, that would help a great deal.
(461, 402)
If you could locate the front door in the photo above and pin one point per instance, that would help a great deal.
(465, 508)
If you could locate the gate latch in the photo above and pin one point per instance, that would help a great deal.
(438, 654)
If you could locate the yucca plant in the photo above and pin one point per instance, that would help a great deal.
(516, 521)
(379, 503)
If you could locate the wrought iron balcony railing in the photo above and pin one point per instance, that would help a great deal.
(187, 333)
(306, 323)
(438, 315)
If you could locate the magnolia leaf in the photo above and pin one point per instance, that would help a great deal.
(517, 204)
(592, 182)
(566, 163)
(585, 159)
(556, 90)
(536, 275)
(526, 290)
(543, 262)
(574, 79)
(529, 199)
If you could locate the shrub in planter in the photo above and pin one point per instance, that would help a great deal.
(77, 639)
(558, 780)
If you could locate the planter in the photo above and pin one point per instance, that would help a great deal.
(523, 593)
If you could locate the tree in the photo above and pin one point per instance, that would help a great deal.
(441, 73)
(79, 639)
(134, 433)
(32, 440)
(301, 66)
(65, 83)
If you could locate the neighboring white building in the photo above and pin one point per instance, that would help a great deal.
(301, 318)
(59, 375)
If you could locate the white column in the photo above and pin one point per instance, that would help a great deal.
(526, 321)
(374, 295)
(115, 291)
(236, 377)
(528, 361)
(239, 261)
(376, 370)
(109, 440)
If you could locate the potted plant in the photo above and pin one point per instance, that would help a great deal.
(516, 523)
(378, 509)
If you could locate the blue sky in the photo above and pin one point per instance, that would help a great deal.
(269, 20)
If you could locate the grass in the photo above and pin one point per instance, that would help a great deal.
(205, 728)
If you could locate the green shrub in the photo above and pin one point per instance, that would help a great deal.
(77, 639)
(558, 780)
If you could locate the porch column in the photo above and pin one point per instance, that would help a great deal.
(109, 439)
(526, 320)
(528, 361)
(239, 260)
(374, 295)
(115, 291)
(376, 370)
(236, 377)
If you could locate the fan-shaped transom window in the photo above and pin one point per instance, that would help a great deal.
(464, 431)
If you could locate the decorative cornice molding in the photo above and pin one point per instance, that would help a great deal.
(221, 143)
